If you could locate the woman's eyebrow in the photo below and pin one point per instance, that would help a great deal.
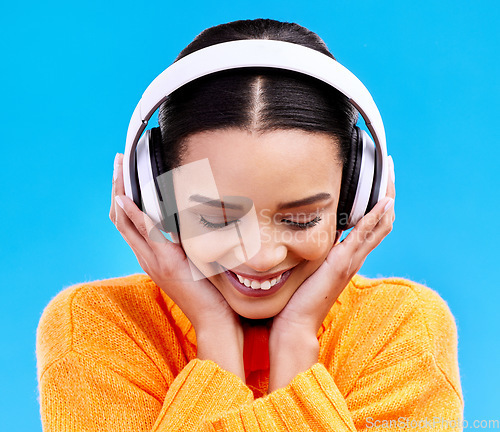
(305, 201)
(214, 202)
(298, 203)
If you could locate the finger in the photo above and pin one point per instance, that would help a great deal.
(365, 231)
(383, 211)
(112, 211)
(150, 242)
(381, 230)
(131, 235)
(391, 191)
(137, 216)
(391, 188)
(119, 187)
(368, 232)
(143, 234)
(143, 225)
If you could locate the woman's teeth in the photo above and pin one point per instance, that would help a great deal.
(259, 285)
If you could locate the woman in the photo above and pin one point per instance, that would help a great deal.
(282, 336)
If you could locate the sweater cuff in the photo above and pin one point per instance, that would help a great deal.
(315, 393)
(312, 400)
(201, 390)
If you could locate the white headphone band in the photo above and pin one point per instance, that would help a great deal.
(257, 53)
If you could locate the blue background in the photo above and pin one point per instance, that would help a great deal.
(72, 74)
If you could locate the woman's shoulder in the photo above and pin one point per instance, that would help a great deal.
(391, 289)
(394, 318)
(387, 326)
(103, 317)
(398, 299)
(97, 295)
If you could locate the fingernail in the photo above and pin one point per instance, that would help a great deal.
(115, 171)
(387, 206)
(391, 170)
(119, 201)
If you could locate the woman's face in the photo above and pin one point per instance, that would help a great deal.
(257, 206)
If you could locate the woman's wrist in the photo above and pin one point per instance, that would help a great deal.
(223, 344)
(290, 353)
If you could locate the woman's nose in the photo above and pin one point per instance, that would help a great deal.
(270, 254)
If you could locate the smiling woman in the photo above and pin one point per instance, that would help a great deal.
(254, 318)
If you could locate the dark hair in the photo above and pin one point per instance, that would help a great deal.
(254, 99)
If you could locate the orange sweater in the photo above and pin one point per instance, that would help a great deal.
(119, 355)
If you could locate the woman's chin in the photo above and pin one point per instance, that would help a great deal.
(253, 311)
(256, 316)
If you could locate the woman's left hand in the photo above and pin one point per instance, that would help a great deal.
(310, 304)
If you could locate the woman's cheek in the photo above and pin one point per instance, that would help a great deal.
(230, 246)
(314, 244)
(210, 248)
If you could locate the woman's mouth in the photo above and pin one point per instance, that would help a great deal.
(254, 288)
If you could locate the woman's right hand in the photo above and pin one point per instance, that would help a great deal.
(167, 265)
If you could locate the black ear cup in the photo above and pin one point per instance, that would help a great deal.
(134, 183)
(155, 143)
(163, 183)
(350, 178)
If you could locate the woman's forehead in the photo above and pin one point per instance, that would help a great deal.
(290, 154)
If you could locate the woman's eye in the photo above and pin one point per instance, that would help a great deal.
(213, 225)
(302, 225)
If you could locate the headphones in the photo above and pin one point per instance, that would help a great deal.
(364, 178)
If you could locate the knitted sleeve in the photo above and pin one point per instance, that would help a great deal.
(410, 394)
(78, 394)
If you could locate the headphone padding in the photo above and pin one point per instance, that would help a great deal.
(365, 178)
(350, 178)
(166, 200)
(155, 151)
